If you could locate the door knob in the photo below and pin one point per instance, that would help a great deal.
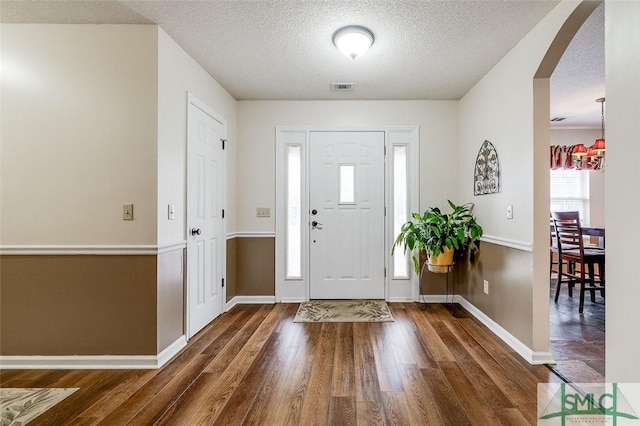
(195, 231)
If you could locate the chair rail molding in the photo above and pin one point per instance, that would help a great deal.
(507, 242)
(128, 249)
(251, 234)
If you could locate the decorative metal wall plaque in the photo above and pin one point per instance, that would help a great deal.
(486, 177)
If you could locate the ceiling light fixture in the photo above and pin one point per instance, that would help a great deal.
(353, 40)
(599, 146)
(592, 157)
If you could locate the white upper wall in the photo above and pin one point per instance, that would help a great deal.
(499, 108)
(178, 74)
(622, 201)
(574, 136)
(510, 108)
(438, 121)
(79, 124)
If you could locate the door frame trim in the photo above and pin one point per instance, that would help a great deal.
(192, 100)
(297, 290)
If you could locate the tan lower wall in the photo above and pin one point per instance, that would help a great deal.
(171, 297)
(231, 268)
(510, 299)
(255, 270)
(78, 305)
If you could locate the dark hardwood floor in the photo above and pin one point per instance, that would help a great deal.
(577, 342)
(255, 366)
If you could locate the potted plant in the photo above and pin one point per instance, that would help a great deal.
(440, 235)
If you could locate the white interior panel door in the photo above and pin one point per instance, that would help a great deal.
(346, 229)
(205, 237)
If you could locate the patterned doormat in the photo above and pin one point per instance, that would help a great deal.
(18, 406)
(344, 311)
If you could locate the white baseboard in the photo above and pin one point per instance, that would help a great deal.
(539, 358)
(92, 362)
(439, 298)
(400, 299)
(172, 350)
(532, 357)
(249, 300)
(293, 300)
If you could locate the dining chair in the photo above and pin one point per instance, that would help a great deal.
(571, 249)
(553, 249)
(554, 259)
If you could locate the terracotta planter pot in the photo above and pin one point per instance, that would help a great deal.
(440, 264)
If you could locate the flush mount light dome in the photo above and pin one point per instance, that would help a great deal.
(353, 40)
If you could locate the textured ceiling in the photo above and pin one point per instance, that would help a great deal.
(68, 12)
(283, 49)
(578, 79)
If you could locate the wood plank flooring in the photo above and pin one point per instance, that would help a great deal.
(255, 366)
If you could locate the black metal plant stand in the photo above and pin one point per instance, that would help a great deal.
(449, 277)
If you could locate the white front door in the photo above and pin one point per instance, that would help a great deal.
(205, 232)
(346, 204)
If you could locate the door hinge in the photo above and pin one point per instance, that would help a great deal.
(223, 213)
(223, 142)
(385, 151)
(385, 272)
(223, 283)
(385, 210)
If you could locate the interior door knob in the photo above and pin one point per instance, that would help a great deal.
(195, 231)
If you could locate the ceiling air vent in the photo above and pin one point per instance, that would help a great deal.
(342, 87)
(558, 118)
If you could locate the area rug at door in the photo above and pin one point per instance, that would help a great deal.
(344, 311)
(18, 406)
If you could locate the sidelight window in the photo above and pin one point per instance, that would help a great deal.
(400, 209)
(294, 213)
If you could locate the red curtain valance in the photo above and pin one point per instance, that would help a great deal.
(561, 159)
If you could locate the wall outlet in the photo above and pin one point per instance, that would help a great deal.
(510, 211)
(263, 212)
(127, 212)
(486, 287)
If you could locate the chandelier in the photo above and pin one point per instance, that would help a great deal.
(592, 157)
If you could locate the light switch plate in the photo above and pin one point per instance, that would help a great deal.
(171, 212)
(127, 212)
(263, 212)
(510, 211)
(486, 287)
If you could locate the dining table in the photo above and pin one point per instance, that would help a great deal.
(594, 231)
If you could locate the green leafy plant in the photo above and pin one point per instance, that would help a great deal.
(434, 230)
